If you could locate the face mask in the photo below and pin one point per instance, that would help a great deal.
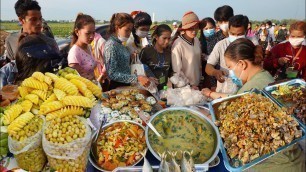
(235, 79)
(122, 39)
(232, 38)
(209, 32)
(262, 28)
(267, 27)
(296, 41)
(283, 28)
(224, 27)
(142, 34)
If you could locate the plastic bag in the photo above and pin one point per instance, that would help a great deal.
(229, 87)
(137, 67)
(179, 80)
(185, 96)
(29, 153)
(72, 156)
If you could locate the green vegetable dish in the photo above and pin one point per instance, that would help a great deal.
(183, 131)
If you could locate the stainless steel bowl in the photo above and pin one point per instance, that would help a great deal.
(91, 158)
(193, 112)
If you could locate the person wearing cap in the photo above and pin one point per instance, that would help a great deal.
(186, 50)
(174, 25)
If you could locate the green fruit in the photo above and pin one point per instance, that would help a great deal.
(60, 72)
(3, 142)
(3, 129)
(3, 151)
(3, 136)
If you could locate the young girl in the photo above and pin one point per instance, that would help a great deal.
(117, 56)
(80, 56)
(186, 50)
(158, 57)
(140, 32)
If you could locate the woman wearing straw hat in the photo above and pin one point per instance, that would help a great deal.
(186, 50)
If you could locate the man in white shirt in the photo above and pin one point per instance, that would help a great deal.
(237, 28)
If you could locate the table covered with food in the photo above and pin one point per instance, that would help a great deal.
(64, 122)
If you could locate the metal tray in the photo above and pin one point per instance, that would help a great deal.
(295, 82)
(229, 164)
(155, 168)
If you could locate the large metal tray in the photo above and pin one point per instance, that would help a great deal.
(229, 164)
(295, 82)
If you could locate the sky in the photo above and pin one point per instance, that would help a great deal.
(163, 9)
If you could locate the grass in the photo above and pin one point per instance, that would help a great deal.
(58, 29)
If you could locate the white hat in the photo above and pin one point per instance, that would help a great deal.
(174, 23)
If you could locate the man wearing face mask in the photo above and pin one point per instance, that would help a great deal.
(221, 15)
(237, 28)
(288, 59)
(140, 33)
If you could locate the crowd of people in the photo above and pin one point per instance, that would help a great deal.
(227, 57)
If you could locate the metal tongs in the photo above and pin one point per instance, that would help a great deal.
(93, 149)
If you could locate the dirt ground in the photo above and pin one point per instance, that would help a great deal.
(3, 35)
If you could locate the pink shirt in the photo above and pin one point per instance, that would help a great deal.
(86, 61)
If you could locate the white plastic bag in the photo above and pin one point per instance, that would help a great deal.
(229, 87)
(137, 67)
(72, 156)
(185, 96)
(29, 153)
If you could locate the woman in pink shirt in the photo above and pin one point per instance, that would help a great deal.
(80, 56)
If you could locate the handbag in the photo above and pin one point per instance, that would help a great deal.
(137, 67)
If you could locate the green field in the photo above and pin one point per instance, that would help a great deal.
(58, 29)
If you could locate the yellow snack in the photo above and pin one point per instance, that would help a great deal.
(33, 98)
(52, 76)
(12, 113)
(39, 76)
(78, 101)
(26, 105)
(66, 86)
(19, 123)
(50, 107)
(59, 94)
(90, 85)
(41, 94)
(83, 88)
(33, 83)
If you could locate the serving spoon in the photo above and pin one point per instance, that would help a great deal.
(93, 149)
(146, 120)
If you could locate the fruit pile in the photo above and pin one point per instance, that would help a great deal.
(3, 136)
(67, 138)
(54, 96)
(67, 70)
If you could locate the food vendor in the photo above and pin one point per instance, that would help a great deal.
(288, 60)
(244, 61)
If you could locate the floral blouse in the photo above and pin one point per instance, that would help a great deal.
(117, 61)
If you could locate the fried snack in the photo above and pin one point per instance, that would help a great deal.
(252, 126)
